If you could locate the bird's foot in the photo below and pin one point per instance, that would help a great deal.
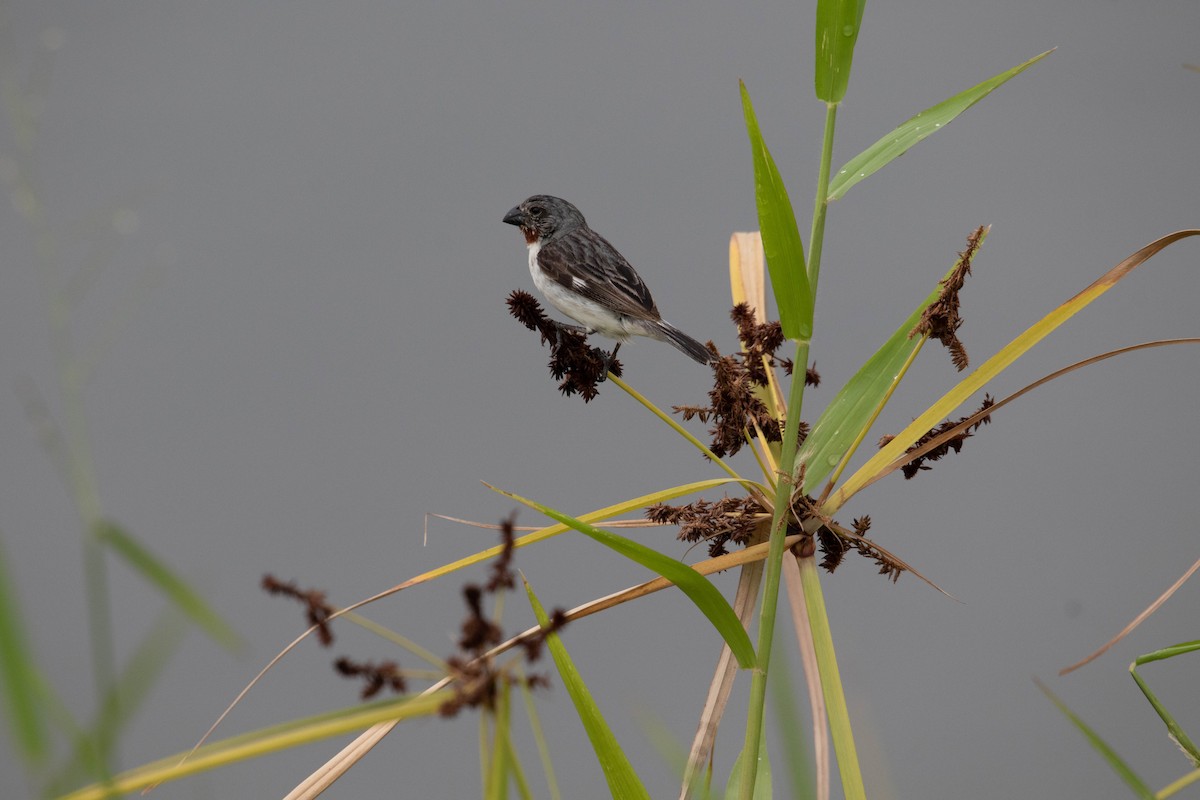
(609, 358)
(561, 326)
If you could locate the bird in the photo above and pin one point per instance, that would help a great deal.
(584, 277)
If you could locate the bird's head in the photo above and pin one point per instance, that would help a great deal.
(545, 218)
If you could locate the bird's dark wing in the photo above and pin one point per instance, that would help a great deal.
(607, 278)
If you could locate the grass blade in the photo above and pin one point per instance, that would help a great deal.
(1177, 734)
(539, 736)
(780, 236)
(549, 531)
(169, 583)
(123, 701)
(622, 780)
(698, 589)
(790, 733)
(841, 425)
(762, 783)
(929, 121)
(268, 740)
(838, 24)
(840, 729)
(1107, 753)
(884, 460)
(19, 677)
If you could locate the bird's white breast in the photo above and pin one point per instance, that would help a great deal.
(586, 312)
(535, 272)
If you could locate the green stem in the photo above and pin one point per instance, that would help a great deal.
(26, 195)
(87, 503)
(774, 562)
(831, 682)
(658, 412)
(787, 483)
(818, 620)
(1178, 735)
(816, 239)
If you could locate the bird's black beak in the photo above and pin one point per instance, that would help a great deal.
(513, 217)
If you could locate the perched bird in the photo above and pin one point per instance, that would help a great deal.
(584, 276)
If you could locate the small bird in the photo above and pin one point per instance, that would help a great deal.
(584, 276)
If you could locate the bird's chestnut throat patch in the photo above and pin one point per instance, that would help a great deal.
(531, 235)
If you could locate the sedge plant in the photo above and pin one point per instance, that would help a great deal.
(787, 516)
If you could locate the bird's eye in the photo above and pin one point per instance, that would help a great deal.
(535, 211)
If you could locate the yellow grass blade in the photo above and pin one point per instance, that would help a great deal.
(876, 466)
(262, 742)
(554, 530)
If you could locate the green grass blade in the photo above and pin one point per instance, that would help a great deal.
(485, 752)
(929, 121)
(841, 424)
(671, 752)
(625, 506)
(121, 704)
(790, 727)
(518, 772)
(622, 780)
(841, 730)
(1177, 734)
(762, 782)
(1107, 753)
(169, 583)
(780, 237)
(1168, 652)
(698, 589)
(856, 403)
(838, 24)
(19, 675)
(498, 771)
(539, 736)
(675, 426)
(889, 457)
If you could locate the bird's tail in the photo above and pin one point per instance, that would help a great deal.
(684, 343)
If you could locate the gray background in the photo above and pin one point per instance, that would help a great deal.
(326, 356)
